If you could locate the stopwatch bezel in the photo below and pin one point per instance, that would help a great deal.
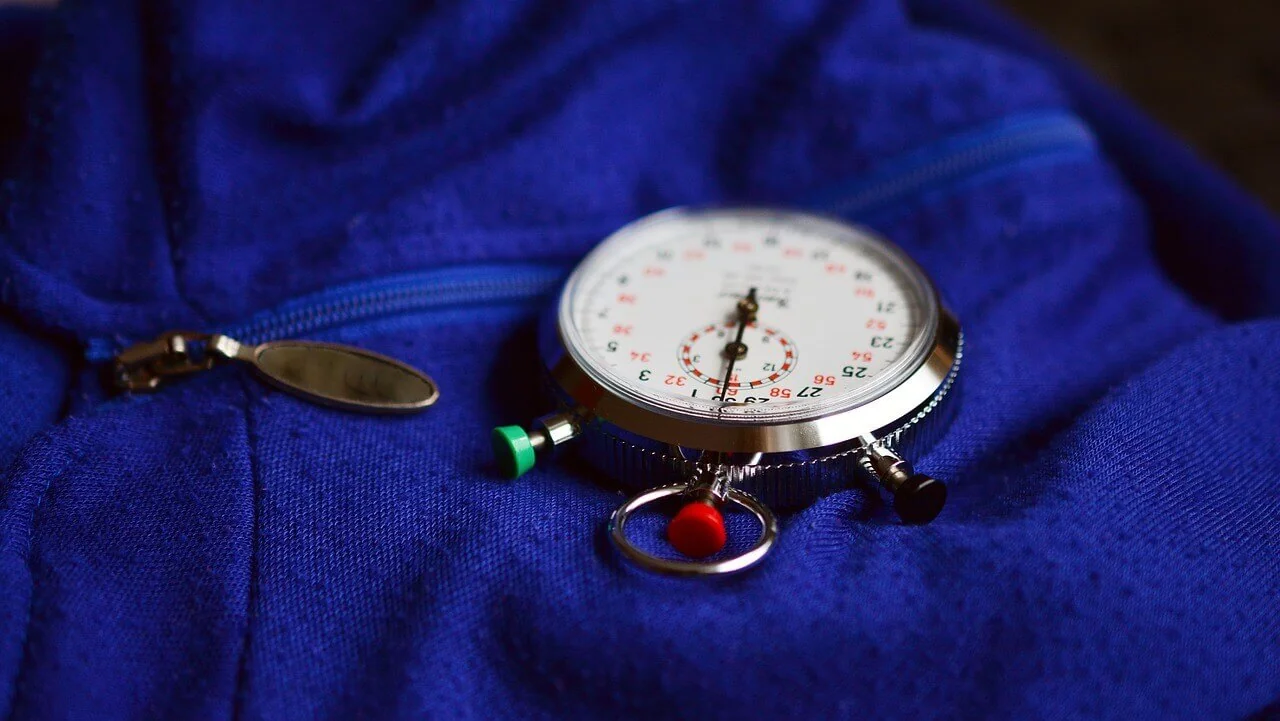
(596, 399)
(656, 229)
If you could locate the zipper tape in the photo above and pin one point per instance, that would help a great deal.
(1001, 144)
(450, 287)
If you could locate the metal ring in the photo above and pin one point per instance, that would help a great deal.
(743, 561)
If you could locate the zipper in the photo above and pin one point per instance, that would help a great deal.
(997, 145)
(259, 339)
(445, 288)
(330, 374)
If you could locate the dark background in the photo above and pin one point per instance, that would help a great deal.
(1207, 69)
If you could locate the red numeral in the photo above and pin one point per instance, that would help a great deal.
(622, 330)
(821, 380)
(835, 267)
(742, 247)
(626, 298)
(654, 271)
(792, 253)
(674, 380)
(864, 292)
(864, 356)
(695, 254)
(776, 392)
(876, 324)
(642, 357)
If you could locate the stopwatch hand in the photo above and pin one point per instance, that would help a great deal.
(747, 308)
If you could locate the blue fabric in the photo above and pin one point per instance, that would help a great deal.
(1111, 548)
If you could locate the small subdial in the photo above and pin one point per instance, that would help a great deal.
(768, 356)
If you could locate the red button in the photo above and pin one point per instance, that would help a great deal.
(697, 531)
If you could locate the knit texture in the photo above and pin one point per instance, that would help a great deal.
(1111, 547)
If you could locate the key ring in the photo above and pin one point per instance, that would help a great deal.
(743, 561)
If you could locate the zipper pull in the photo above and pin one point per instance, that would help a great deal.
(335, 375)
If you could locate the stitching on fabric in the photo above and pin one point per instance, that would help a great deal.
(25, 552)
(25, 646)
(251, 595)
(155, 24)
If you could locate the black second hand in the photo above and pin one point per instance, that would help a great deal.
(736, 348)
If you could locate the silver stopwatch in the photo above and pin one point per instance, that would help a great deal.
(753, 356)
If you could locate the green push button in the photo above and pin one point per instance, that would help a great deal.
(512, 450)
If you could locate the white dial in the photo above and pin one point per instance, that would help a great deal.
(654, 314)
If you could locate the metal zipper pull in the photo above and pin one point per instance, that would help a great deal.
(329, 374)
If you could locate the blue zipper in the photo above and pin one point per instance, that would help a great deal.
(418, 292)
(996, 146)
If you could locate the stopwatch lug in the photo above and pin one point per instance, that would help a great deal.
(517, 450)
(710, 483)
(917, 498)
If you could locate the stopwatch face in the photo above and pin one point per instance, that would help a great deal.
(656, 314)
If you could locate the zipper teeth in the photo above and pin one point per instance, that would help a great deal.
(409, 293)
(969, 154)
(996, 145)
(523, 283)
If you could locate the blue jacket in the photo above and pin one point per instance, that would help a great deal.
(414, 181)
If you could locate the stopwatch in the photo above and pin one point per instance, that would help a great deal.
(759, 357)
